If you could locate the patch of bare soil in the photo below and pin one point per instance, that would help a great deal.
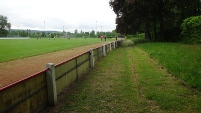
(13, 71)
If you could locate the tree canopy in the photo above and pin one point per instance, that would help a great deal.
(4, 26)
(157, 18)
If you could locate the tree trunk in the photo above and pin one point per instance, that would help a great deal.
(198, 3)
(155, 32)
(147, 30)
(161, 29)
(160, 10)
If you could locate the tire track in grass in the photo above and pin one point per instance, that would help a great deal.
(137, 61)
(145, 105)
(131, 54)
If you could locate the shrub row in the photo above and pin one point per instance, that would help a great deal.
(191, 30)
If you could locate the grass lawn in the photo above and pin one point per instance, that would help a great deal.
(128, 81)
(19, 48)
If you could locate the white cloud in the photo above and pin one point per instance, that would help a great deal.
(72, 14)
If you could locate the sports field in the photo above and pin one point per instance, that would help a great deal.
(22, 58)
(13, 49)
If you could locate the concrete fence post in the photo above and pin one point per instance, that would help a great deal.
(100, 53)
(110, 46)
(104, 51)
(91, 57)
(114, 45)
(51, 84)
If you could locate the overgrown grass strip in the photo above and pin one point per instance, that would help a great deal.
(182, 61)
(160, 87)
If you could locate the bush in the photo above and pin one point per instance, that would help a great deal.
(3, 33)
(138, 35)
(191, 30)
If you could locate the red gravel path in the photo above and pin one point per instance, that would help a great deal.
(18, 69)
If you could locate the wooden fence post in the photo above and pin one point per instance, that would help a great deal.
(51, 84)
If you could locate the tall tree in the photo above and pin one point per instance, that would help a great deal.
(92, 33)
(158, 17)
(76, 32)
(4, 26)
(132, 15)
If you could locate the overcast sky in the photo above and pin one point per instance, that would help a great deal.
(58, 14)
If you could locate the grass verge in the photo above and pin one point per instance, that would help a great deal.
(182, 61)
(160, 87)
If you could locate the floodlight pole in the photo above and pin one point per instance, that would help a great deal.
(44, 26)
(63, 31)
(18, 31)
(96, 30)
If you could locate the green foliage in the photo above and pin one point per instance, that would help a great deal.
(112, 34)
(4, 26)
(19, 33)
(92, 33)
(191, 30)
(182, 61)
(3, 33)
(43, 34)
(130, 36)
(138, 35)
(159, 19)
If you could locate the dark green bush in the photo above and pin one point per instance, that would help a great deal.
(191, 30)
(138, 35)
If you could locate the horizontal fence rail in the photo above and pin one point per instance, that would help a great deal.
(33, 93)
(71, 70)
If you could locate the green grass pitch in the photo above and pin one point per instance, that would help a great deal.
(13, 49)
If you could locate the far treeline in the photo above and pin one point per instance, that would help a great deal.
(160, 20)
(58, 34)
(6, 31)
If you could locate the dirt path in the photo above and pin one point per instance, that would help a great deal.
(15, 70)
